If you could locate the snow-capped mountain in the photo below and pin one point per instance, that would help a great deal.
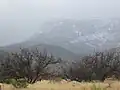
(80, 36)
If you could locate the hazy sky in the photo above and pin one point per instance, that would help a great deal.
(20, 19)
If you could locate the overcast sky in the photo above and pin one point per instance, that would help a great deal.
(20, 19)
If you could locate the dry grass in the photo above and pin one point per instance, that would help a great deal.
(64, 85)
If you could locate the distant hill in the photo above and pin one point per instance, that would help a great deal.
(70, 39)
(56, 51)
(80, 36)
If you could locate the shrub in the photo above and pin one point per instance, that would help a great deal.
(20, 83)
(17, 83)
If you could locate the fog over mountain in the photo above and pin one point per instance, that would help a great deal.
(21, 19)
(80, 36)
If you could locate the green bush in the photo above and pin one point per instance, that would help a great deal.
(17, 83)
(20, 83)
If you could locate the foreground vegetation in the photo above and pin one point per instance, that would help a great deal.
(27, 67)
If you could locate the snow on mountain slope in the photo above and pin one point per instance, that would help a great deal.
(81, 36)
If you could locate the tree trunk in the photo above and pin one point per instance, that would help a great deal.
(104, 77)
(36, 78)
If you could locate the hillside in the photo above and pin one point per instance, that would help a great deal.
(80, 36)
(56, 51)
(70, 39)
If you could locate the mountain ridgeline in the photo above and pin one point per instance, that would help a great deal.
(70, 39)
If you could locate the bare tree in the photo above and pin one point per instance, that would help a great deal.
(27, 64)
(96, 67)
